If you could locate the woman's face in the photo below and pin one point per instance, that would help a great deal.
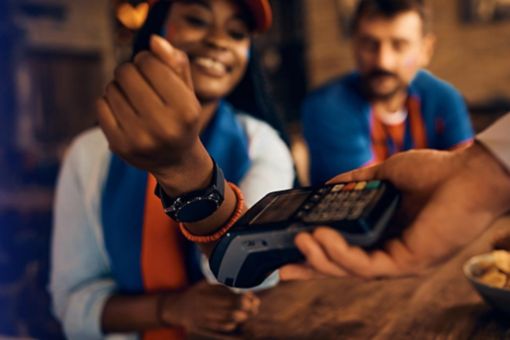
(216, 38)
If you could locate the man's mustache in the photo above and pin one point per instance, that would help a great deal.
(380, 73)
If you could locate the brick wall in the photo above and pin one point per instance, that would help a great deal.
(474, 57)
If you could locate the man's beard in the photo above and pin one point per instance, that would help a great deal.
(372, 93)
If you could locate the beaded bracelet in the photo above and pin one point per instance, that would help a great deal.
(238, 211)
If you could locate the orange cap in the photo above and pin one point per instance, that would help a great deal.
(262, 13)
(259, 9)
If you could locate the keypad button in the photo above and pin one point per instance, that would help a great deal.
(349, 186)
(343, 195)
(355, 214)
(347, 201)
(354, 195)
(308, 206)
(341, 214)
(370, 194)
(337, 187)
(360, 186)
(373, 185)
(322, 191)
(315, 198)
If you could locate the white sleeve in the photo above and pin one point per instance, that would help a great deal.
(80, 281)
(272, 167)
(496, 138)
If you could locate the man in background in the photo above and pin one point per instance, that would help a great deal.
(390, 103)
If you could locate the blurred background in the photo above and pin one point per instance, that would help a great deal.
(57, 55)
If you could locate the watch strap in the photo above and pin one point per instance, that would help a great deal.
(196, 205)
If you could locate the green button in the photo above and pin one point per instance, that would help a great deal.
(373, 185)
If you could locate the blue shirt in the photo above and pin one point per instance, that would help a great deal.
(339, 125)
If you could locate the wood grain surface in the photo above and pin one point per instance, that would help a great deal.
(441, 304)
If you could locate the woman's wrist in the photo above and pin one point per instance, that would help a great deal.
(192, 173)
(165, 314)
(225, 227)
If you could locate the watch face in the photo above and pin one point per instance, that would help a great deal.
(199, 209)
(196, 205)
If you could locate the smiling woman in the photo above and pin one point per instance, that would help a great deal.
(187, 112)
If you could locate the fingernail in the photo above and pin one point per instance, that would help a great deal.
(240, 316)
(163, 43)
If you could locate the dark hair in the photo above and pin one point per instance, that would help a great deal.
(250, 95)
(390, 9)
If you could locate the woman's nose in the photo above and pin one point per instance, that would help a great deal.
(217, 38)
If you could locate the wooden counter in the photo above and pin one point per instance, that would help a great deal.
(439, 305)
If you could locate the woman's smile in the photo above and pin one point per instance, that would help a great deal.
(210, 66)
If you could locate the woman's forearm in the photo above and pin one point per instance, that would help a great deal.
(132, 313)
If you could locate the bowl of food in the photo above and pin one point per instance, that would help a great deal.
(490, 275)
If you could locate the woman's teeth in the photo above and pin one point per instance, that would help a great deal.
(211, 64)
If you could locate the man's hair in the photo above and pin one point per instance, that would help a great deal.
(390, 9)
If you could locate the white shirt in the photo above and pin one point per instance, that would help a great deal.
(80, 281)
(496, 138)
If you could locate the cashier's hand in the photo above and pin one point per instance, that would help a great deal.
(206, 308)
(449, 198)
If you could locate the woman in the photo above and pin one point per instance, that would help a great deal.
(117, 263)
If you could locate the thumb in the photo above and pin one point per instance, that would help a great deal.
(361, 174)
(176, 59)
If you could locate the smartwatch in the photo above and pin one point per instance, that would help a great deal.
(196, 205)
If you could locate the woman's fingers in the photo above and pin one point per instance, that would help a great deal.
(168, 86)
(109, 124)
(228, 320)
(174, 58)
(250, 303)
(140, 94)
(124, 113)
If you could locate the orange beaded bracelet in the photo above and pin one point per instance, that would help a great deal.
(238, 211)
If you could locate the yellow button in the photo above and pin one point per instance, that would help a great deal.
(360, 186)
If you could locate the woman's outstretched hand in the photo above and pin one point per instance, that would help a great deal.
(151, 117)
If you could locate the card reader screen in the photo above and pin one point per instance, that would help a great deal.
(281, 208)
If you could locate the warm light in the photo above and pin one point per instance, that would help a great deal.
(132, 17)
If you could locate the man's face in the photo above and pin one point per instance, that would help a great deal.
(389, 52)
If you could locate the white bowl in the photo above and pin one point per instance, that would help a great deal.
(498, 298)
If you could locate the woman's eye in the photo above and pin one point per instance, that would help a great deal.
(196, 21)
(238, 35)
